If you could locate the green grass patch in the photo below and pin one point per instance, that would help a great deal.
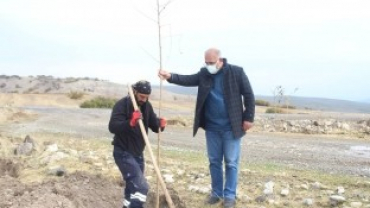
(262, 103)
(75, 95)
(288, 106)
(274, 110)
(99, 102)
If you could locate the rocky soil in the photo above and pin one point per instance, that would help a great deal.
(66, 161)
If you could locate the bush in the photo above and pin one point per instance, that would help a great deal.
(2, 85)
(71, 80)
(99, 102)
(75, 95)
(30, 90)
(274, 110)
(262, 103)
(288, 106)
(47, 90)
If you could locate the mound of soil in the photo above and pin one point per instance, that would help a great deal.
(76, 190)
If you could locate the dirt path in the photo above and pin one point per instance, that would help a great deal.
(329, 154)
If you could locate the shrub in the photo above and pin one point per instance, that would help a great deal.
(274, 110)
(75, 95)
(29, 90)
(262, 103)
(2, 85)
(288, 106)
(47, 90)
(71, 80)
(17, 86)
(99, 102)
(16, 77)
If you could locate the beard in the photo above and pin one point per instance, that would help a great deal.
(140, 103)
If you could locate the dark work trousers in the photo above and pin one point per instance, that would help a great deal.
(132, 170)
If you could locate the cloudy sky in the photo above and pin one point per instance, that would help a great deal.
(321, 47)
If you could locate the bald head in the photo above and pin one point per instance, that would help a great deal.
(213, 52)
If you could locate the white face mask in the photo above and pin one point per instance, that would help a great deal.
(212, 68)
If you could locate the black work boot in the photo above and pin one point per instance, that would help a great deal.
(211, 199)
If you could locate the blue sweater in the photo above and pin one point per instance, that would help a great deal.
(217, 118)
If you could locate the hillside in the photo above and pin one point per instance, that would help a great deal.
(89, 86)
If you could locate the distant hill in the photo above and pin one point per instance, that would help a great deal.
(300, 102)
(52, 85)
(93, 86)
(324, 104)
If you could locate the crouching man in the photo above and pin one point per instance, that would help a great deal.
(129, 143)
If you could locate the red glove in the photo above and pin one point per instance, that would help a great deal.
(136, 115)
(162, 122)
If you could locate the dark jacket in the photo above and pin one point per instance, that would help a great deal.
(236, 86)
(130, 138)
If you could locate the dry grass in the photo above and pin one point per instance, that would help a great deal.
(49, 100)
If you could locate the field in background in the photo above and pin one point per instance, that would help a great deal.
(308, 168)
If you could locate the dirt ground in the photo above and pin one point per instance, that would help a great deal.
(67, 191)
(341, 154)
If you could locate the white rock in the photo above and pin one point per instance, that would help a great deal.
(149, 178)
(269, 185)
(284, 192)
(245, 199)
(308, 202)
(304, 186)
(204, 190)
(346, 127)
(168, 178)
(193, 188)
(356, 204)
(180, 172)
(268, 192)
(202, 175)
(54, 158)
(340, 190)
(336, 198)
(98, 164)
(52, 148)
(316, 185)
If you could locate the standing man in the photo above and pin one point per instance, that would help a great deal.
(222, 90)
(129, 143)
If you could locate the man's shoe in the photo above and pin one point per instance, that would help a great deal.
(229, 203)
(213, 199)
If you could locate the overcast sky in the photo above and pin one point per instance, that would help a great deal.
(321, 47)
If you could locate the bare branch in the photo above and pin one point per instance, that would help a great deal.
(149, 54)
(143, 14)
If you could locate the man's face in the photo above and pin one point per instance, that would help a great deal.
(211, 58)
(141, 99)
